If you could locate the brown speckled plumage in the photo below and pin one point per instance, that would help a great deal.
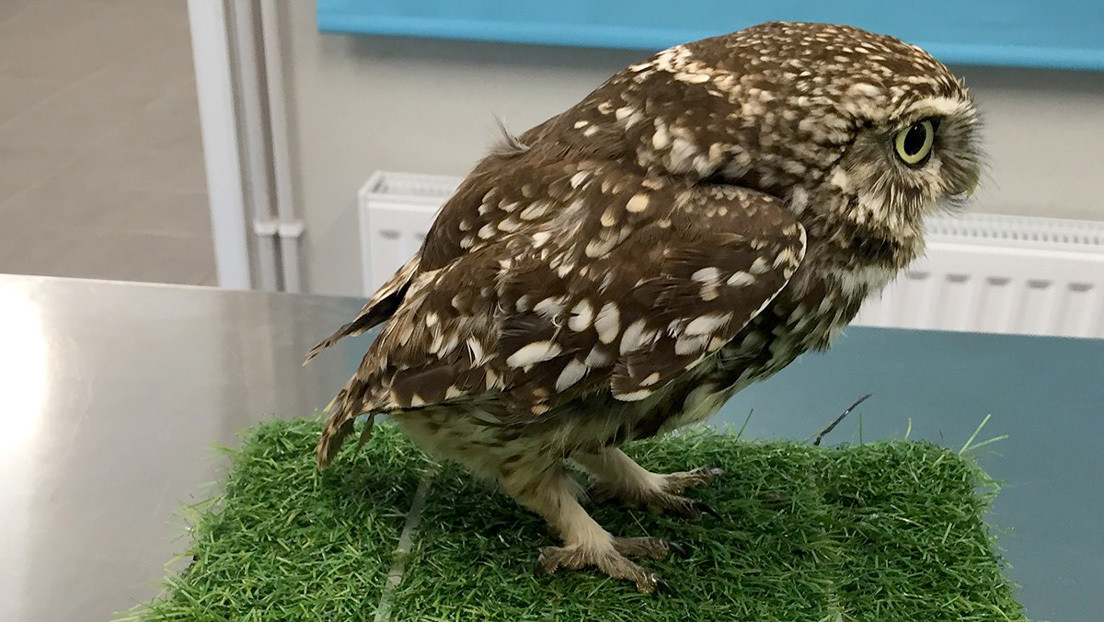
(692, 225)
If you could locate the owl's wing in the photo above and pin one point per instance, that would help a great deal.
(672, 291)
(623, 296)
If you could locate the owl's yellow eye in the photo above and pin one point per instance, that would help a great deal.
(914, 144)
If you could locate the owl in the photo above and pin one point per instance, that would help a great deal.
(622, 269)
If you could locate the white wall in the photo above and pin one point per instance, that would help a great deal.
(362, 103)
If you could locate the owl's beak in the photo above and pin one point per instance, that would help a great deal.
(972, 183)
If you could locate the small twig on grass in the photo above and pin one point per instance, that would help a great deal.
(832, 426)
(402, 550)
(748, 418)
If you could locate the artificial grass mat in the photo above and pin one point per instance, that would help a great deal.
(886, 531)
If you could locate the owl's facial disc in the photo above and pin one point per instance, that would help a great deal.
(901, 167)
(915, 146)
(940, 133)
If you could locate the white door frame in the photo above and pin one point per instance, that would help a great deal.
(214, 89)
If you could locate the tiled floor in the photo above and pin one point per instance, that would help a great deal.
(101, 164)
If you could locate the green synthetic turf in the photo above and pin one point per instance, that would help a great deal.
(887, 531)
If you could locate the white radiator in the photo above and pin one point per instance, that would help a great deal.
(984, 273)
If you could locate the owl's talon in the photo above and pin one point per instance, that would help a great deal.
(704, 508)
(664, 497)
(539, 569)
(676, 483)
(607, 560)
(654, 548)
(688, 509)
(679, 549)
(663, 587)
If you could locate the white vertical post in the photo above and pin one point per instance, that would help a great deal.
(291, 228)
(211, 55)
(255, 147)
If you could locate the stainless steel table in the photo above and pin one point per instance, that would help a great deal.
(112, 395)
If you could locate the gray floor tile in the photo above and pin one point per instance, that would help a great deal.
(31, 218)
(170, 122)
(160, 213)
(107, 230)
(69, 53)
(128, 256)
(31, 247)
(23, 168)
(164, 61)
(49, 17)
(78, 115)
(211, 280)
(177, 169)
(57, 201)
(114, 255)
(19, 95)
(101, 162)
(7, 190)
(10, 9)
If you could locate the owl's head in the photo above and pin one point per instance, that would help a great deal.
(839, 122)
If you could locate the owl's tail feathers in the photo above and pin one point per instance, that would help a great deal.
(378, 309)
(338, 427)
(341, 333)
(373, 313)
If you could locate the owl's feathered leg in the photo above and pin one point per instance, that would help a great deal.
(620, 477)
(553, 494)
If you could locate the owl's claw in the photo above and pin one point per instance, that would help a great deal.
(608, 560)
(708, 509)
(666, 497)
(675, 483)
(541, 566)
(644, 547)
(678, 549)
(683, 507)
(663, 587)
(691, 509)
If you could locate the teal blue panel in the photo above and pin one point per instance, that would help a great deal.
(1019, 33)
(1046, 394)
